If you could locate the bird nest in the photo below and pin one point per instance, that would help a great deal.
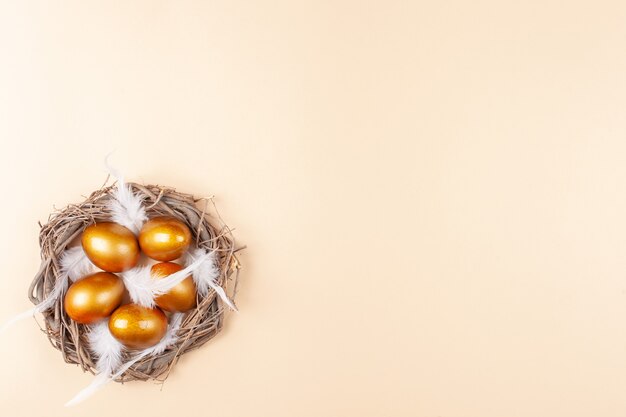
(209, 232)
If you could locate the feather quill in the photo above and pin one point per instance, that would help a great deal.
(17, 318)
(109, 353)
(206, 273)
(126, 207)
(74, 265)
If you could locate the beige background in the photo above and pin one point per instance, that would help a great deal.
(433, 195)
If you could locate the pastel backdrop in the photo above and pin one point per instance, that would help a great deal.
(432, 195)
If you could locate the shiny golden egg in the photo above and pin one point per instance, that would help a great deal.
(94, 297)
(164, 238)
(181, 297)
(110, 246)
(138, 327)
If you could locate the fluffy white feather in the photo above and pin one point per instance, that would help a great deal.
(163, 285)
(143, 288)
(126, 207)
(138, 282)
(74, 265)
(109, 353)
(112, 367)
(59, 289)
(206, 273)
(105, 347)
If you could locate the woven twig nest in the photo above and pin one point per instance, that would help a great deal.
(198, 326)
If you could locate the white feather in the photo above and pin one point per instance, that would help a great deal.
(126, 206)
(74, 265)
(163, 285)
(105, 347)
(114, 368)
(206, 273)
(98, 382)
(109, 353)
(143, 288)
(17, 318)
(138, 282)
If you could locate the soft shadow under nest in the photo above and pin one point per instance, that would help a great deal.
(198, 326)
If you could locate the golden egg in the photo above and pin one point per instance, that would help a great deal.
(164, 238)
(181, 297)
(94, 297)
(138, 327)
(110, 246)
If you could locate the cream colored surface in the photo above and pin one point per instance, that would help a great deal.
(433, 195)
